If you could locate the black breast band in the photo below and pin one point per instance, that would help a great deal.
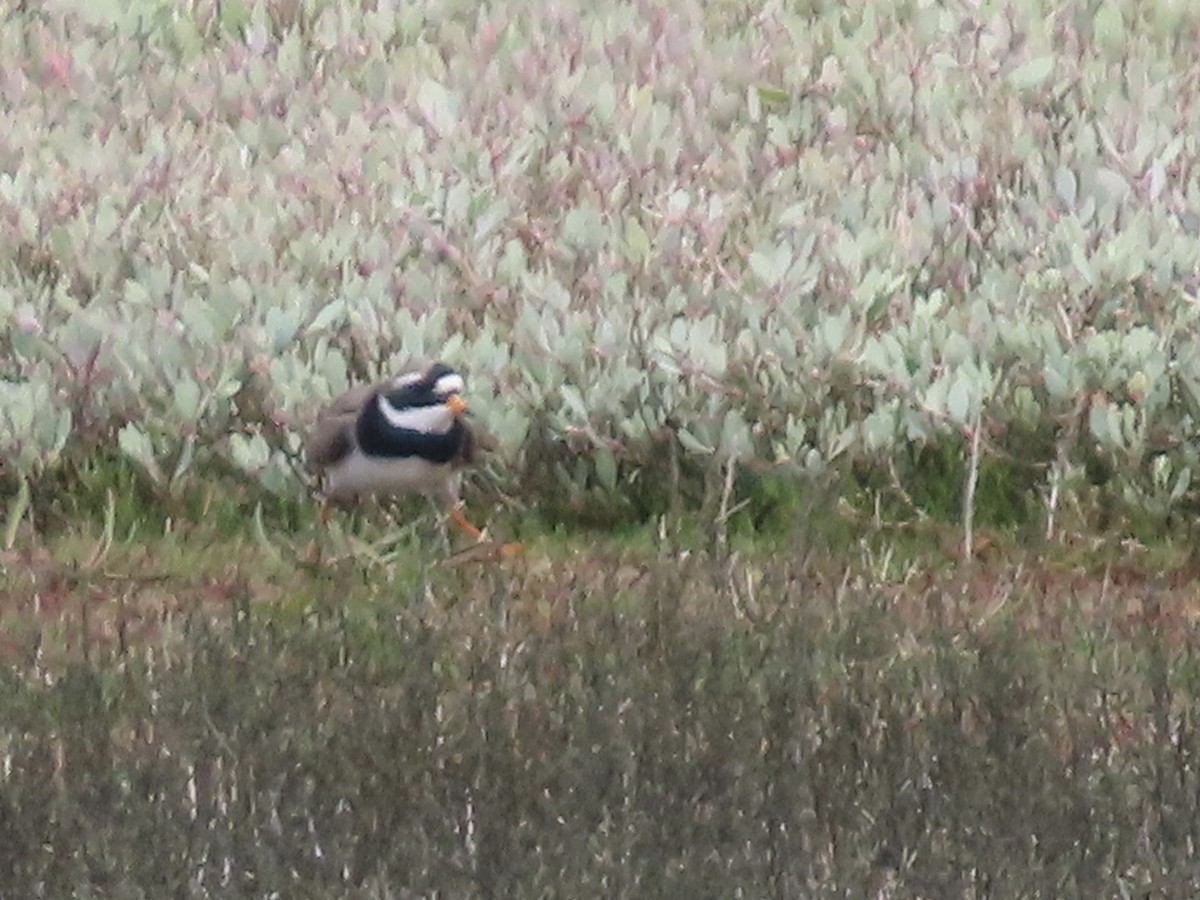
(380, 438)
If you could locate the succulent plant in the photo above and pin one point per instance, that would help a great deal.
(803, 241)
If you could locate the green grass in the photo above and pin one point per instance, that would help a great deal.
(610, 716)
(817, 706)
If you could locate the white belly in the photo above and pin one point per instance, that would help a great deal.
(357, 474)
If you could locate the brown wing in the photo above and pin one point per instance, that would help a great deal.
(332, 436)
(468, 450)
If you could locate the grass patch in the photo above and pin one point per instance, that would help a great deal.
(620, 717)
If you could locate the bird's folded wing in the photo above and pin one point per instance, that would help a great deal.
(467, 448)
(332, 436)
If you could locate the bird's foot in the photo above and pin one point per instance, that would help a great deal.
(490, 548)
(459, 518)
(487, 552)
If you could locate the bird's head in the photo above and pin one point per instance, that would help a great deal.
(426, 400)
(447, 387)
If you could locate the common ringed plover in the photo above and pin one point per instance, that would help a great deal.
(403, 435)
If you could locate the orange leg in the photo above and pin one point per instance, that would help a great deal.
(459, 518)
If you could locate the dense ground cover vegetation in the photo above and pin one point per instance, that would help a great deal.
(833, 311)
(933, 241)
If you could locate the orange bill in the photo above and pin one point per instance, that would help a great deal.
(457, 404)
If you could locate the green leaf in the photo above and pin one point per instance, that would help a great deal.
(376, 77)
(606, 468)
(490, 219)
(511, 429)
(184, 461)
(691, 443)
(513, 263)
(1108, 28)
(1181, 484)
(457, 206)
(330, 313)
(833, 330)
(1112, 184)
(874, 358)
(17, 508)
(135, 444)
(941, 211)
(773, 94)
(735, 436)
(62, 245)
(282, 325)
(770, 264)
(1081, 262)
(1100, 423)
(260, 533)
(64, 422)
(753, 105)
(573, 400)
(1056, 379)
(1140, 342)
(235, 16)
(136, 293)
(637, 243)
(107, 218)
(958, 401)
(187, 398)
(1066, 186)
(845, 439)
(583, 227)
(604, 101)
(1032, 74)
(250, 453)
(879, 429)
(437, 106)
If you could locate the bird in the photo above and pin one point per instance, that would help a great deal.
(405, 434)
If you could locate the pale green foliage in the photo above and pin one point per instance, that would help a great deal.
(792, 236)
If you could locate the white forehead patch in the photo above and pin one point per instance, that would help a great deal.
(451, 383)
(426, 419)
(406, 379)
